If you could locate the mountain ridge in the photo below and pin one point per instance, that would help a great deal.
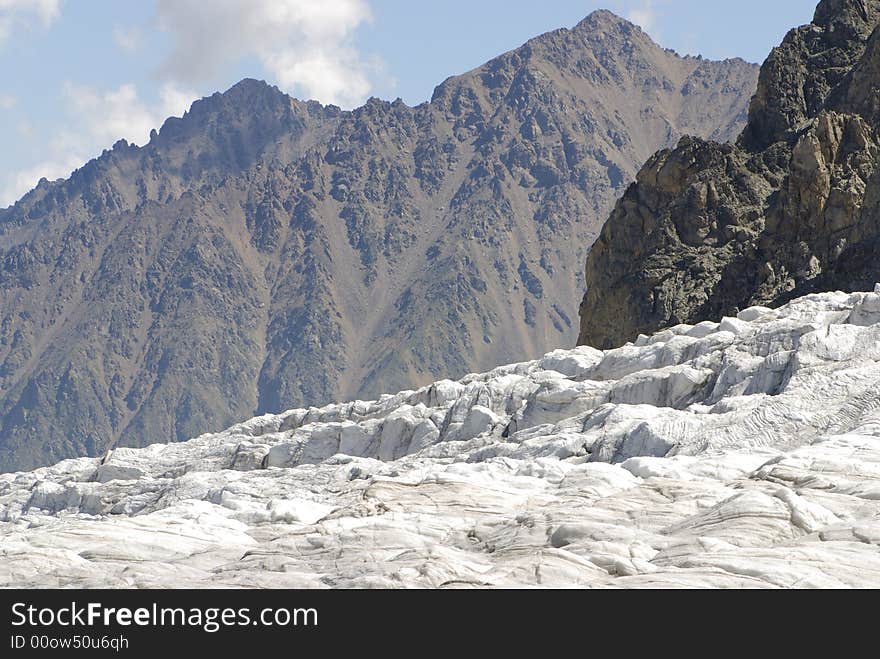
(789, 209)
(245, 88)
(263, 252)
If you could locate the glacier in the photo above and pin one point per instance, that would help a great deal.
(743, 453)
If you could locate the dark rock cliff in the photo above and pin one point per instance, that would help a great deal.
(791, 208)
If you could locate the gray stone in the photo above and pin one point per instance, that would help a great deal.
(792, 208)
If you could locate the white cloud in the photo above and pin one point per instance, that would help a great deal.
(25, 129)
(7, 101)
(645, 16)
(120, 113)
(96, 120)
(128, 39)
(45, 10)
(305, 44)
(16, 14)
(21, 182)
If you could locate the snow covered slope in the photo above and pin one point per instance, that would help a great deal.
(745, 453)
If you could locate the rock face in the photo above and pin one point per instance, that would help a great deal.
(263, 253)
(744, 453)
(791, 208)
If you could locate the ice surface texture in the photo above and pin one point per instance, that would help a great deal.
(744, 453)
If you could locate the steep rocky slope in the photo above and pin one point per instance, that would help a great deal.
(744, 453)
(262, 253)
(791, 208)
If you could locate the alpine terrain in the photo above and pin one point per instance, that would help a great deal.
(719, 428)
(792, 207)
(744, 453)
(263, 253)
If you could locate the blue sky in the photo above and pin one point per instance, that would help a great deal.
(79, 74)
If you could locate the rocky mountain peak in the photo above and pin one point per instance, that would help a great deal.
(606, 23)
(798, 77)
(850, 16)
(235, 128)
(262, 253)
(791, 208)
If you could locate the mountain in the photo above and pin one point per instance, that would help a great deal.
(736, 454)
(262, 253)
(791, 208)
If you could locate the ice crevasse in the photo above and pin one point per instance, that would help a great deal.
(740, 453)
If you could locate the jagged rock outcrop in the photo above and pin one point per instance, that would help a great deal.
(791, 208)
(263, 253)
(743, 453)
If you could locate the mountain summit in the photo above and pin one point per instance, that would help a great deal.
(791, 208)
(262, 253)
